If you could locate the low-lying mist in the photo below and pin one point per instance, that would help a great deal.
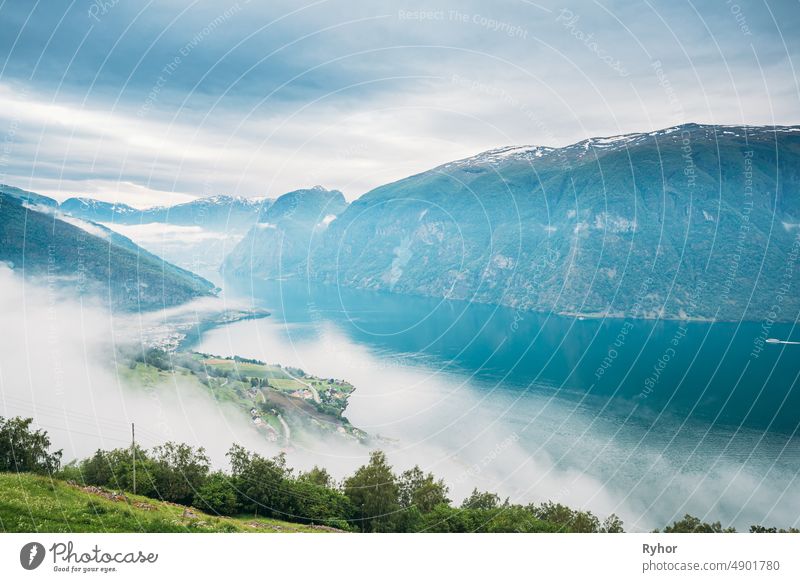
(58, 365)
(533, 445)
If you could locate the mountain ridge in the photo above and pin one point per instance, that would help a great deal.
(219, 212)
(627, 226)
(87, 258)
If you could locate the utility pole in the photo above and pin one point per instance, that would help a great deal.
(133, 453)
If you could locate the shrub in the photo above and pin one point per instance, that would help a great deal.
(178, 471)
(373, 492)
(26, 450)
(217, 494)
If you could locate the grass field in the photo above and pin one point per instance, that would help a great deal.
(32, 503)
(246, 368)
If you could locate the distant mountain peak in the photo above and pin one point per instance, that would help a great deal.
(531, 152)
(629, 225)
(220, 212)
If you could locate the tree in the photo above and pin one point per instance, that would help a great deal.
(612, 524)
(482, 500)
(318, 476)
(156, 357)
(501, 519)
(416, 489)
(217, 494)
(692, 524)
(179, 471)
(114, 469)
(569, 520)
(260, 483)
(373, 491)
(313, 503)
(26, 450)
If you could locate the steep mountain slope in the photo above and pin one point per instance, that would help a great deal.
(41, 242)
(280, 242)
(218, 213)
(26, 196)
(692, 221)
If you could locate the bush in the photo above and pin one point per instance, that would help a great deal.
(416, 489)
(260, 482)
(312, 503)
(568, 520)
(691, 524)
(217, 494)
(178, 471)
(373, 493)
(24, 450)
(114, 469)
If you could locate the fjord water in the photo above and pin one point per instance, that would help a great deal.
(649, 419)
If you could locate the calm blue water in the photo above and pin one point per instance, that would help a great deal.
(644, 368)
(646, 419)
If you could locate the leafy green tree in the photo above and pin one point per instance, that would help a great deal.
(568, 520)
(612, 524)
(156, 357)
(510, 519)
(217, 494)
(482, 500)
(179, 471)
(25, 450)
(313, 503)
(502, 519)
(318, 476)
(373, 491)
(416, 489)
(114, 469)
(446, 519)
(692, 524)
(261, 483)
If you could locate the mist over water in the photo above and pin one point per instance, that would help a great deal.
(58, 365)
(482, 397)
(498, 410)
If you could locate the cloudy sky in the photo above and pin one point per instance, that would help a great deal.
(157, 102)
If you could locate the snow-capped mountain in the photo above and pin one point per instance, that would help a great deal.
(218, 213)
(97, 210)
(692, 221)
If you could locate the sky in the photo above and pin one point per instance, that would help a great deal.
(159, 102)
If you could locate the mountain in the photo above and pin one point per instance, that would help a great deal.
(99, 211)
(26, 196)
(693, 221)
(281, 239)
(41, 242)
(217, 213)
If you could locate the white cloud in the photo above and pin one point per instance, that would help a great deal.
(374, 100)
(84, 225)
(161, 233)
(59, 366)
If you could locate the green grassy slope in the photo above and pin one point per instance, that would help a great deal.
(32, 503)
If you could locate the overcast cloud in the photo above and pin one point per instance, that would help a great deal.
(160, 102)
